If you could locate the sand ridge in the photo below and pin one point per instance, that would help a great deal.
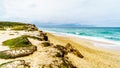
(94, 57)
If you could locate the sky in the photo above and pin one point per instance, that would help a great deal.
(86, 12)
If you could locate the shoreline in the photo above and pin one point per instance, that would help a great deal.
(97, 42)
(93, 57)
(59, 50)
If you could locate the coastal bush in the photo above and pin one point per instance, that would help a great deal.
(2, 28)
(17, 26)
(4, 56)
(21, 41)
(23, 27)
(4, 25)
(18, 42)
(10, 24)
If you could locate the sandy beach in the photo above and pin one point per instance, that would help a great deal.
(94, 57)
(97, 42)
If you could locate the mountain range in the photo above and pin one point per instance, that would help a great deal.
(62, 25)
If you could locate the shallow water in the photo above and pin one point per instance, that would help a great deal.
(100, 32)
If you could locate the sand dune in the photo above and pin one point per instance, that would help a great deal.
(94, 57)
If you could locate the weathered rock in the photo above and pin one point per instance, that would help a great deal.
(24, 51)
(15, 64)
(31, 27)
(43, 36)
(62, 49)
(66, 64)
(46, 43)
(46, 38)
(41, 33)
(71, 49)
(68, 49)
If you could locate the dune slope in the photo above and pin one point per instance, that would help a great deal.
(93, 57)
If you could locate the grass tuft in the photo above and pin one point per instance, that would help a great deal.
(4, 55)
(21, 41)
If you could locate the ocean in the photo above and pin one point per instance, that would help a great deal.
(110, 33)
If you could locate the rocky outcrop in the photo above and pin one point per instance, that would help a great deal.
(51, 56)
(31, 27)
(73, 50)
(43, 36)
(48, 55)
(24, 51)
(62, 49)
(68, 49)
(46, 43)
(15, 64)
(58, 55)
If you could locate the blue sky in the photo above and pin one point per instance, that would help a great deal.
(86, 12)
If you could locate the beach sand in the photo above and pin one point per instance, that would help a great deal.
(94, 57)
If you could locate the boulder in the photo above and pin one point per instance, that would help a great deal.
(46, 38)
(46, 43)
(15, 64)
(73, 50)
(62, 49)
(24, 51)
(66, 64)
(31, 27)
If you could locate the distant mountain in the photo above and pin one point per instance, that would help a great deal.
(62, 25)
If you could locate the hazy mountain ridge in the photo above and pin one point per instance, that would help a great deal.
(63, 25)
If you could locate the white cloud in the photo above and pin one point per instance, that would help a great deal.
(83, 11)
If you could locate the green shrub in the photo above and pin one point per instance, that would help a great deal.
(10, 24)
(18, 42)
(19, 28)
(4, 55)
(21, 41)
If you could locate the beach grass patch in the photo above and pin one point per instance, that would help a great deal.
(14, 25)
(21, 41)
(21, 27)
(4, 55)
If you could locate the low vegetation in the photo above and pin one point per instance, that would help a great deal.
(10, 24)
(23, 27)
(18, 42)
(20, 46)
(4, 25)
(4, 56)
(21, 41)
(17, 26)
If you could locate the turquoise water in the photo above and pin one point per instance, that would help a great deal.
(106, 33)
